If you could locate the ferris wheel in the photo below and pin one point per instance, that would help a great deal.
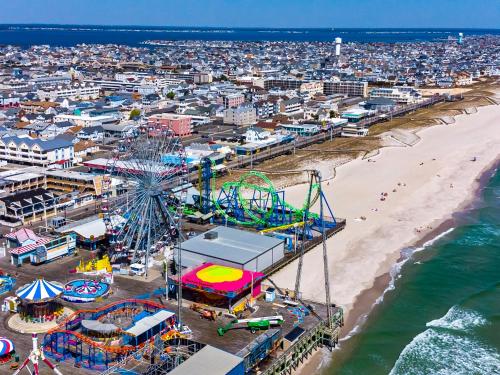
(144, 196)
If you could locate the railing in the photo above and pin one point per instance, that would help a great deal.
(313, 338)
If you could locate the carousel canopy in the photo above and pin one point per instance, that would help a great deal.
(40, 290)
(6, 346)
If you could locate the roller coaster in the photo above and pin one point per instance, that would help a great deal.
(68, 339)
(253, 201)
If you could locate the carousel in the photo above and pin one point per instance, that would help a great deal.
(6, 350)
(39, 301)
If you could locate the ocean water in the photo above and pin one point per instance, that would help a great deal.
(442, 313)
(70, 35)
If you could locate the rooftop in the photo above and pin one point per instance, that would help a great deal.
(232, 244)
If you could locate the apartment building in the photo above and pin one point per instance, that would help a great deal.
(264, 108)
(462, 79)
(40, 152)
(9, 100)
(15, 180)
(180, 125)
(290, 107)
(400, 94)
(243, 115)
(72, 92)
(313, 88)
(283, 83)
(349, 88)
(231, 100)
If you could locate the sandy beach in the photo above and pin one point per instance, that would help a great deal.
(425, 184)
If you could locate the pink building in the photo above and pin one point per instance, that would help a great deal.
(179, 124)
(231, 100)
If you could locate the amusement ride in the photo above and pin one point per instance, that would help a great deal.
(147, 211)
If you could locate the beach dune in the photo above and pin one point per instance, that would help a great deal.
(424, 183)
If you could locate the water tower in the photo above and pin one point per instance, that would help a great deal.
(338, 42)
(460, 38)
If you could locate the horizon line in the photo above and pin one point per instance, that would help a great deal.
(254, 27)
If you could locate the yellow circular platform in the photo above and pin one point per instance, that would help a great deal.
(219, 274)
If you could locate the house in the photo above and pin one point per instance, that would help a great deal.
(123, 130)
(256, 135)
(84, 148)
(24, 245)
(9, 100)
(91, 133)
(85, 119)
(55, 129)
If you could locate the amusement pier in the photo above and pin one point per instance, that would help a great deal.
(169, 273)
(163, 205)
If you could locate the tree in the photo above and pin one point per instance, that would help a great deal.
(333, 114)
(223, 77)
(171, 95)
(134, 113)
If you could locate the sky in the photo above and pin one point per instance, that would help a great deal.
(257, 13)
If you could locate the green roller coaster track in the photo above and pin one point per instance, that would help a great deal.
(260, 217)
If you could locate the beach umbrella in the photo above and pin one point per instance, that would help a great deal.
(6, 346)
(40, 290)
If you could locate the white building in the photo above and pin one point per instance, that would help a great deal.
(40, 152)
(85, 120)
(257, 135)
(400, 94)
(73, 92)
(463, 79)
(291, 107)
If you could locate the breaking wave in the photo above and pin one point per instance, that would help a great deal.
(448, 347)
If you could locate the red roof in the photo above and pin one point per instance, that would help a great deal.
(22, 235)
(28, 248)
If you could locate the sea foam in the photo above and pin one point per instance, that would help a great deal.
(458, 319)
(447, 347)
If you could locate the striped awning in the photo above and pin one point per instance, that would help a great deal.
(28, 248)
(6, 346)
(40, 290)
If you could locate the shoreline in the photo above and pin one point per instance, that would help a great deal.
(368, 298)
(359, 313)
